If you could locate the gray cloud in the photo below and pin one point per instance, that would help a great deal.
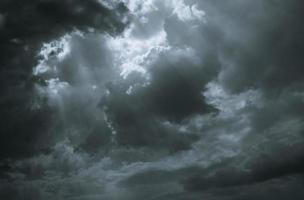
(262, 46)
(24, 27)
(174, 92)
(192, 100)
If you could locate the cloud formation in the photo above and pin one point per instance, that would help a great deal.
(25, 26)
(177, 99)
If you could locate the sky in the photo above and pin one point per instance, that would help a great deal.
(154, 99)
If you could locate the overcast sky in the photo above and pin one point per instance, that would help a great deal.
(151, 99)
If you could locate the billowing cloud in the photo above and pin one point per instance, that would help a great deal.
(177, 99)
(25, 26)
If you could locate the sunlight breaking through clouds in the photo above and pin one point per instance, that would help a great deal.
(155, 99)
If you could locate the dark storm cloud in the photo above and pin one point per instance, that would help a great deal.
(176, 87)
(229, 174)
(261, 50)
(218, 113)
(275, 111)
(25, 25)
(281, 189)
(174, 93)
(85, 70)
(267, 58)
(286, 161)
(263, 47)
(259, 45)
(30, 22)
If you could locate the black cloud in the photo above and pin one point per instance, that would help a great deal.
(173, 94)
(26, 26)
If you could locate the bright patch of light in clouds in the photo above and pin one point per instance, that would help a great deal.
(55, 85)
(54, 51)
(187, 12)
(134, 54)
(59, 48)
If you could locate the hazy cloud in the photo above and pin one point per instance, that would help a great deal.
(177, 99)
